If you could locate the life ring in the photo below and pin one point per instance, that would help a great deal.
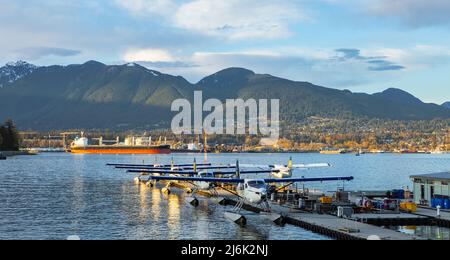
(368, 204)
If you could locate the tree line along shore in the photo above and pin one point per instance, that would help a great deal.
(9, 137)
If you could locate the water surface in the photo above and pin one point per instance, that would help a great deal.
(53, 196)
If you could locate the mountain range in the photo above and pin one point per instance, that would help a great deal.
(98, 96)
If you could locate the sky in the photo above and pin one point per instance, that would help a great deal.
(359, 45)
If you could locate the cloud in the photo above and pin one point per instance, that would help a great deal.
(142, 7)
(380, 63)
(232, 19)
(413, 13)
(384, 65)
(238, 19)
(166, 64)
(34, 53)
(350, 53)
(148, 55)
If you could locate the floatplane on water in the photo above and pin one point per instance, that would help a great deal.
(252, 191)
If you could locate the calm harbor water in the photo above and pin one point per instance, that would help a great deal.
(53, 196)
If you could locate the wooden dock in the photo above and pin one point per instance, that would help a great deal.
(394, 219)
(339, 228)
(442, 221)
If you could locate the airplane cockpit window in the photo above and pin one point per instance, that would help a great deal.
(257, 184)
(206, 175)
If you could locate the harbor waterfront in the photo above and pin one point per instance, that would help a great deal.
(57, 195)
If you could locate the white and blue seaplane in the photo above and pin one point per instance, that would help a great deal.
(283, 171)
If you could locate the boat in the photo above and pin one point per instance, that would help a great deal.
(407, 151)
(333, 151)
(131, 146)
(190, 148)
(359, 153)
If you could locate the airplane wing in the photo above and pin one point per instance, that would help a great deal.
(159, 166)
(169, 168)
(163, 172)
(295, 166)
(196, 179)
(312, 165)
(143, 167)
(192, 173)
(293, 180)
(256, 166)
(258, 172)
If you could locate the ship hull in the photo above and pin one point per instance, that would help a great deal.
(120, 150)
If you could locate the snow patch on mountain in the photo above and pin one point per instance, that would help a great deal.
(14, 71)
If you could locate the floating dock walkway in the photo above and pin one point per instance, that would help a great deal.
(344, 229)
(392, 219)
(340, 228)
(442, 221)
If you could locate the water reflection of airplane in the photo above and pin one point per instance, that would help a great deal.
(252, 191)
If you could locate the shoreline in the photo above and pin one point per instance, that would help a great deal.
(17, 153)
(37, 151)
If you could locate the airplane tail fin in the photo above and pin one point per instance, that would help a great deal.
(290, 164)
(195, 165)
(238, 170)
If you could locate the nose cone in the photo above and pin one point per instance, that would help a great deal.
(262, 195)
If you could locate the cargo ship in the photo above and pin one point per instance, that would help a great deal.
(131, 146)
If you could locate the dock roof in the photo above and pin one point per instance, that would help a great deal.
(434, 176)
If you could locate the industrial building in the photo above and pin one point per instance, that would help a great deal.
(431, 189)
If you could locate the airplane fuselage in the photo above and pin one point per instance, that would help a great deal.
(253, 191)
(282, 172)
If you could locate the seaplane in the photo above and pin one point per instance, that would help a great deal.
(285, 171)
(248, 190)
